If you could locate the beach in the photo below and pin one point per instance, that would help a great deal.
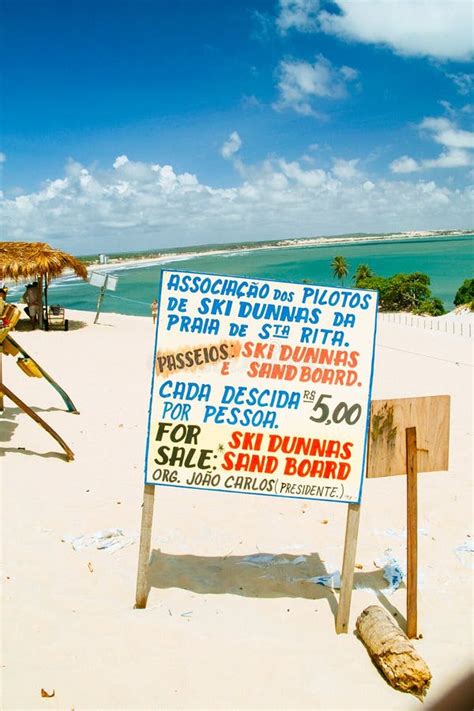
(233, 619)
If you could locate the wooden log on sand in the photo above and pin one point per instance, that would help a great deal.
(392, 652)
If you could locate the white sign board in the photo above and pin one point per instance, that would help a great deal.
(261, 387)
(97, 279)
(112, 282)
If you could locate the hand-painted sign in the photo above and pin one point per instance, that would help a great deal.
(261, 387)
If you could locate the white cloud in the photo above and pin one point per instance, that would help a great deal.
(445, 132)
(464, 82)
(309, 178)
(345, 169)
(151, 205)
(231, 146)
(349, 73)
(120, 161)
(433, 28)
(299, 83)
(452, 158)
(297, 14)
(2, 157)
(450, 111)
(405, 164)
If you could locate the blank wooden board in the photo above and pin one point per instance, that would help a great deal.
(387, 446)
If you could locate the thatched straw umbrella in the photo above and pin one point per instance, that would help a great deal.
(26, 260)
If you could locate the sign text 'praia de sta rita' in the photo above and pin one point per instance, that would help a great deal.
(261, 387)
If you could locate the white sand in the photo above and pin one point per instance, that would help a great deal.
(203, 643)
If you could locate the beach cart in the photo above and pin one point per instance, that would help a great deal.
(54, 319)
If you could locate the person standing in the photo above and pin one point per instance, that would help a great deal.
(154, 309)
(31, 298)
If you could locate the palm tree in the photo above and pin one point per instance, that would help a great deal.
(340, 268)
(362, 272)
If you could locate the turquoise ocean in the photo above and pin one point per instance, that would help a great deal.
(448, 261)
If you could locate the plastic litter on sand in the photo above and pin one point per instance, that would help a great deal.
(111, 539)
(393, 572)
(463, 553)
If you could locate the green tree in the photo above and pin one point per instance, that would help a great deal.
(430, 307)
(340, 268)
(465, 294)
(404, 292)
(375, 283)
(362, 272)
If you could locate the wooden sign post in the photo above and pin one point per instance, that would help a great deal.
(393, 450)
(141, 595)
(412, 533)
(348, 563)
(104, 282)
(260, 387)
(408, 436)
(101, 297)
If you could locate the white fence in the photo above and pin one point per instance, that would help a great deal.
(440, 324)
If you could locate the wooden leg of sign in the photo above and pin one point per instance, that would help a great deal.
(347, 575)
(99, 303)
(23, 406)
(145, 544)
(101, 298)
(412, 533)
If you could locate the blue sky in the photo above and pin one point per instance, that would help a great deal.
(151, 123)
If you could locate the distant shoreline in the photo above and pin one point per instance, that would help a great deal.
(119, 263)
(125, 262)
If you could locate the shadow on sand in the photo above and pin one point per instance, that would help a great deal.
(262, 575)
(24, 325)
(8, 427)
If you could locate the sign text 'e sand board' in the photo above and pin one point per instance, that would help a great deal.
(261, 387)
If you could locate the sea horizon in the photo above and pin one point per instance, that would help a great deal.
(345, 238)
(446, 259)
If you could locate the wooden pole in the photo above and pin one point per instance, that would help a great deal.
(412, 533)
(39, 302)
(347, 575)
(101, 297)
(143, 587)
(46, 320)
(23, 406)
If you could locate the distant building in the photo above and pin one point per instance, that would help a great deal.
(103, 259)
